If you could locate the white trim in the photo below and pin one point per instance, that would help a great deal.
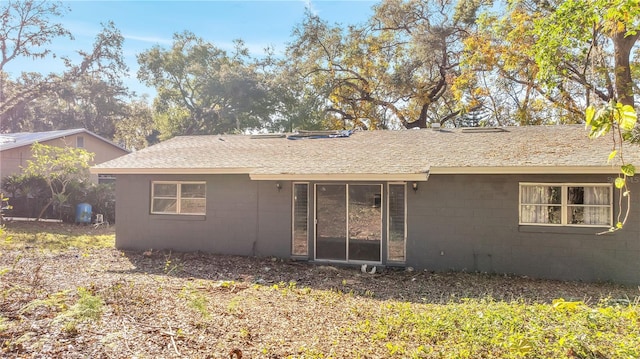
(169, 171)
(293, 218)
(564, 205)
(404, 184)
(315, 221)
(384, 177)
(178, 197)
(526, 170)
(301, 177)
(424, 176)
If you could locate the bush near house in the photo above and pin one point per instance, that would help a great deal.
(29, 193)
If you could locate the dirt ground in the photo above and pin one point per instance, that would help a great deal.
(197, 305)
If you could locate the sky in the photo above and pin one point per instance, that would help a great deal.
(144, 24)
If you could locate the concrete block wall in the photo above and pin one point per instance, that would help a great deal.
(243, 217)
(470, 223)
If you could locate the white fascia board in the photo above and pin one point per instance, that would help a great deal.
(401, 177)
(168, 171)
(526, 170)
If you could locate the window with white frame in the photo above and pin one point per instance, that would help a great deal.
(566, 204)
(178, 197)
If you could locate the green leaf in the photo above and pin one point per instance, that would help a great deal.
(628, 169)
(612, 155)
(627, 117)
(620, 182)
(589, 114)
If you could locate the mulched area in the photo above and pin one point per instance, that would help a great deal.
(197, 305)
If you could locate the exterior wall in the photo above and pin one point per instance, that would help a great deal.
(11, 160)
(243, 217)
(470, 223)
(15, 158)
(454, 222)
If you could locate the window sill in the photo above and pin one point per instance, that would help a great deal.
(561, 229)
(178, 217)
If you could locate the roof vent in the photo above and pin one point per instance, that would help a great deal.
(483, 129)
(268, 135)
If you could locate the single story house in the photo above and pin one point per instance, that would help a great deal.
(519, 200)
(15, 148)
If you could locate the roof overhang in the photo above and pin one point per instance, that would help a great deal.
(266, 176)
(422, 176)
(390, 177)
(526, 170)
(169, 171)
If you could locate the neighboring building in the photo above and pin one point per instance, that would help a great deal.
(15, 148)
(521, 200)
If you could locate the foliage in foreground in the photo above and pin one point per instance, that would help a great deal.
(489, 329)
(197, 307)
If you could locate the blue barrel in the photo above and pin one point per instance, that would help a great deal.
(83, 213)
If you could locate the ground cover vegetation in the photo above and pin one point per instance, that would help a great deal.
(66, 292)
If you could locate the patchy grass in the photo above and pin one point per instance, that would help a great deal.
(67, 293)
(55, 236)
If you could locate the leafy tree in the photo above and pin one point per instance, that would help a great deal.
(134, 130)
(393, 71)
(575, 43)
(59, 166)
(499, 74)
(88, 89)
(203, 89)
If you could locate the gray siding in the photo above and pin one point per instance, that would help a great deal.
(454, 222)
(243, 217)
(465, 222)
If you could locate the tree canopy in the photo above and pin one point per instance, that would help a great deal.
(58, 166)
(202, 89)
(413, 63)
(88, 93)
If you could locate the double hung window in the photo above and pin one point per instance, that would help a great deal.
(589, 205)
(178, 197)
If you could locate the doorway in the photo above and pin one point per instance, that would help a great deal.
(348, 222)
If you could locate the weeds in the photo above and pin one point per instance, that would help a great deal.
(88, 308)
(485, 328)
(196, 300)
(54, 238)
(169, 266)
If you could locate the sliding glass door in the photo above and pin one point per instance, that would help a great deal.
(349, 222)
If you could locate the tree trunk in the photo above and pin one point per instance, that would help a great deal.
(44, 209)
(421, 122)
(622, 53)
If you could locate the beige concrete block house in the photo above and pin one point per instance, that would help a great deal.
(519, 200)
(15, 148)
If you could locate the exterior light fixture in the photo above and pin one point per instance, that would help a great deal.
(278, 186)
(414, 185)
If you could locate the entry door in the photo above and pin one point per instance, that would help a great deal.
(349, 222)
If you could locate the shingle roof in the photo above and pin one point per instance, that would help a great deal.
(19, 139)
(556, 149)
